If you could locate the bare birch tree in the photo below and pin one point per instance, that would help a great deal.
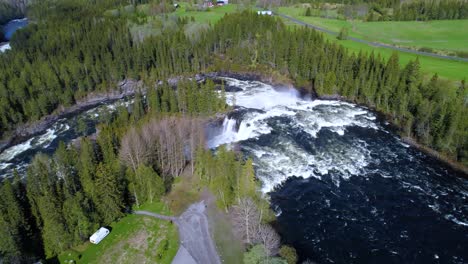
(169, 143)
(246, 220)
(268, 237)
(133, 151)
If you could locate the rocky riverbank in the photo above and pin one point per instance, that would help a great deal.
(25, 131)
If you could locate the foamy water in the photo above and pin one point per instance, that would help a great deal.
(5, 47)
(344, 187)
(17, 157)
(287, 159)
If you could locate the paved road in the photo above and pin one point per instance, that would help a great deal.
(375, 43)
(196, 243)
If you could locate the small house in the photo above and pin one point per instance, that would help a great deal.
(99, 235)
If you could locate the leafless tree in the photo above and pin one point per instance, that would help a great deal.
(246, 220)
(269, 238)
(133, 151)
(169, 143)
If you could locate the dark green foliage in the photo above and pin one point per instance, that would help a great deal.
(227, 175)
(109, 202)
(289, 254)
(422, 10)
(45, 198)
(343, 35)
(384, 10)
(145, 185)
(9, 12)
(78, 189)
(13, 224)
(426, 111)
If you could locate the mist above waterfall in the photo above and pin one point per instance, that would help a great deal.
(263, 105)
(345, 188)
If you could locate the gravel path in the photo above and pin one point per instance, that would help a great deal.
(196, 243)
(376, 44)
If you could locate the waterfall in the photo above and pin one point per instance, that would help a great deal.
(227, 134)
(229, 125)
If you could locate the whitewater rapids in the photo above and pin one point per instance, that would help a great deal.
(264, 108)
(344, 187)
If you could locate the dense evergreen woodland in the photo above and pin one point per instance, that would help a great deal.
(384, 10)
(10, 9)
(431, 10)
(58, 61)
(69, 54)
(132, 161)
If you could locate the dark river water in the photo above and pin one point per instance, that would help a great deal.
(344, 187)
(9, 29)
(19, 156)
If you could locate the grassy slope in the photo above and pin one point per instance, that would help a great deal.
(453, 70)
(133, 239)
(212, 16)
(437, 34)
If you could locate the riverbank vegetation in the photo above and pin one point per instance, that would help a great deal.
(132, 239)
(138, 153)
(388, 10)
(132, 163)
(11, 9)
(437, 36)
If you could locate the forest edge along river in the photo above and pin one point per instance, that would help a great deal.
(345, 188)
(9, 29)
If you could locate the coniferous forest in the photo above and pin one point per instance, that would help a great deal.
(75, 50)
(417, 10)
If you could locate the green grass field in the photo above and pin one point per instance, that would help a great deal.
(453, 70)
(211, 16)
(447, 35)
(133, 239)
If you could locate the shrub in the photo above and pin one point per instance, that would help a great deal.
(343, 34)
(289, 254)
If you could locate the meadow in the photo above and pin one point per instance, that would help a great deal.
(419, 34)
(133, 239)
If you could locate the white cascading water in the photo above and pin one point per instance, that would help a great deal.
(285, 158)
(289, 136)
(18, 156)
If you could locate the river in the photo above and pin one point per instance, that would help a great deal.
(66, 129)
(345, 188)
(9, 29)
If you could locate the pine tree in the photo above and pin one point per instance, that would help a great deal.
(13, 224)
(109, 203)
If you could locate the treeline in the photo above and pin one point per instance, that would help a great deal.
(231, 179)
(11, 9)
(431, 111)
(381, 3)
(92, 183)
(390, 10)
(73, 53)
(422, 10)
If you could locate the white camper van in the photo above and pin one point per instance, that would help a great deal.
(99, 235)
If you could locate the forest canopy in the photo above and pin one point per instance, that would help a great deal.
(76, 51)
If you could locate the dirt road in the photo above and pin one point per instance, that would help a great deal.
(376, 44)
(194, 233)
